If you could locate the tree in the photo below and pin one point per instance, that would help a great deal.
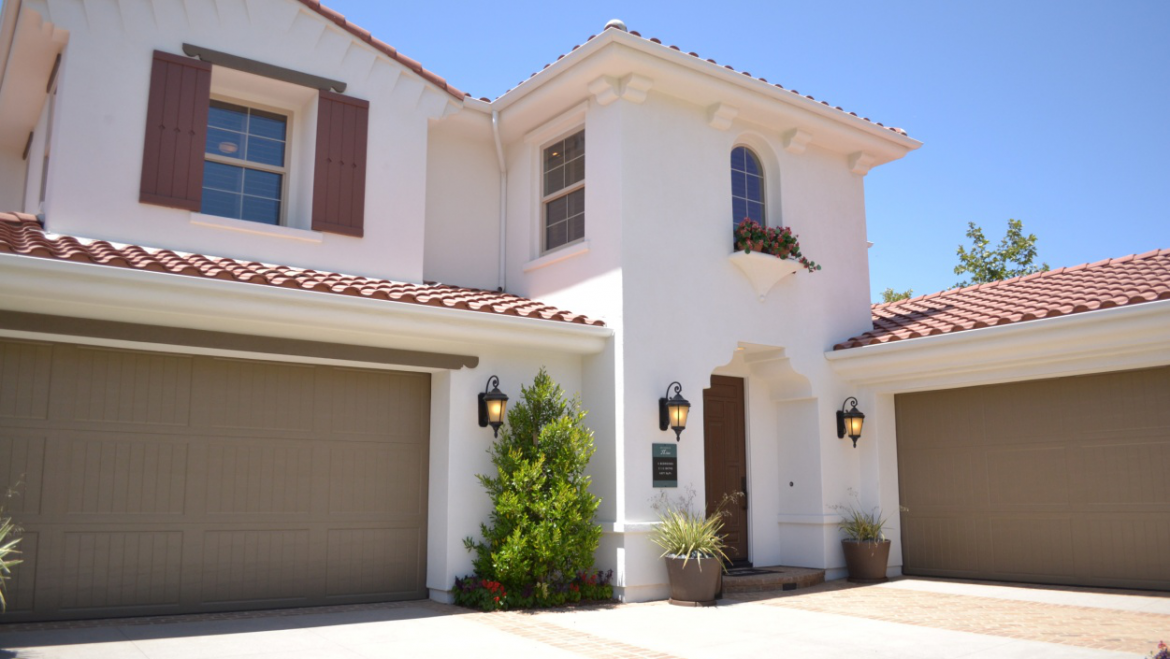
(542, 535)
(890, 295)
(1013, 258)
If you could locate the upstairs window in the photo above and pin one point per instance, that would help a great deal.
(747, 186)
(564, 191)
(246, 162)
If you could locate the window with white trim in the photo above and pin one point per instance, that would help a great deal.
(245, 163)
(747, 186)
(563, 199)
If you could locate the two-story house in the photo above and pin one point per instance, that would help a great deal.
(260, 265)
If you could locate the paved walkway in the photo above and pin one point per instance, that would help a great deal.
(905, 618)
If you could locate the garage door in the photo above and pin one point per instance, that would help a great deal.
(159, 483)
(1058, 481)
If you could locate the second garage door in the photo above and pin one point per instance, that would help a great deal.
(159, 483)
(1054, 481)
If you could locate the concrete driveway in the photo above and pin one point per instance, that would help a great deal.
(904, 618)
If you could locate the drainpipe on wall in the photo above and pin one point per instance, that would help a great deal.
(503, 278)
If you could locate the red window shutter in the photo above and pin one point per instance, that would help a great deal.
(176, 132)
(339, 175)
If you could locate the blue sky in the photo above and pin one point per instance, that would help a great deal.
(1047, 112)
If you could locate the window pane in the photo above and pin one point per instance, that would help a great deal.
(756, 211)
(223, 204)
(225, 143)
(221, 177)
(556, 210)
(576, 228)
(575, 146)
(576, 202)
(752, 166)
(738, 210)
(267, 124)
(554, 156)
(574, 171)
(261, 210)
(555, 235)
(265, 151)
(754, 193)
(554, 180)
(738, 184)
(262, 184)
(737, 158)
(226, 115)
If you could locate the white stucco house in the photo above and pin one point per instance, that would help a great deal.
(259, 264)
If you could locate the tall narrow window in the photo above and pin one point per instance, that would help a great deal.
(564, 191)
(245, 166)
(747, 186)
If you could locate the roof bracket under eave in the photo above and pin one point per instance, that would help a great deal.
(262, 69)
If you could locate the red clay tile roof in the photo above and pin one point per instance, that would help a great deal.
(22, 234)
(1105, 284)
(382, 46)
(899, 131)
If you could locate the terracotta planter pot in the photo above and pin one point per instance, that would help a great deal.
(758, 246)
(695, 584)
(866, 560)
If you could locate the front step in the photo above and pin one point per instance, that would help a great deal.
(754, 580)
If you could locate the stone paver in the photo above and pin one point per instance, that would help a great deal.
(904, 619)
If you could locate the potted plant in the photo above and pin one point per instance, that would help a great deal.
(867, 551)
(692, 548)
(780, 242)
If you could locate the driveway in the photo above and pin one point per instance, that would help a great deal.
(905, 618)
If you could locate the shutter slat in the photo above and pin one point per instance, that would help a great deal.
(176, 130)
(339, 177)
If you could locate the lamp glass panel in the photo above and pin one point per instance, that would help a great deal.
(853, 425)
(678, 415)
(495, 410)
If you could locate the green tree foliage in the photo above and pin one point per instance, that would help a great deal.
(541, 536)
(890, 295)
(1013, 258)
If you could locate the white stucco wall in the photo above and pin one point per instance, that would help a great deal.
(103, 87)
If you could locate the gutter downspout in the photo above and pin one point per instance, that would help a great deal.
(503, 277)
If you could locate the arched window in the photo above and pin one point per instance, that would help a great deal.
(747, 186)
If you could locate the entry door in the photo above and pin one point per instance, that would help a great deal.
(725, 457)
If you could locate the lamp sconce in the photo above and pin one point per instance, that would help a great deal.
(493, 405)
(673, 410)
(849, 423)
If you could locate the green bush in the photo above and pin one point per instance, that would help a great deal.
(541, 536)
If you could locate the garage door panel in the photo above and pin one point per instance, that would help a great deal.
(220, 505)
(25, 370)
(959, 418)
(1073, 490)
(1027, 478)
(98, 385)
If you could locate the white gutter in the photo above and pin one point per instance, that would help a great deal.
(1131, 336)
(503, 275)
(87, 290)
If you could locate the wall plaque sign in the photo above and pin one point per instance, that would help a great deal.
(665, 459)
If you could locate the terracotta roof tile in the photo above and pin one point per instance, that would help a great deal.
(382, 47)
(21, 234)
(1105, 284)
(729, 68)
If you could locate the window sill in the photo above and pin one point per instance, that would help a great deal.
(244, 226)
(763, 270)
(558, 255)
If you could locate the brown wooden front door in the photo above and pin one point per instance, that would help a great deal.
(725, 457)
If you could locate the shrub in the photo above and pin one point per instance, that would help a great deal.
(682, 532)
(9, 533)
(541, 536)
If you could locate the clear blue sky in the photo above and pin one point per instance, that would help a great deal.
(1053, 113)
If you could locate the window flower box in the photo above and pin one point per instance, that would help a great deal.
(767, 255)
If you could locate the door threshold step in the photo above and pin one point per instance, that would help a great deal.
(756, 579)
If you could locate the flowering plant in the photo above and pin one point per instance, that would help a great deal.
(778, 241)
(1163, 651)
(487, 595)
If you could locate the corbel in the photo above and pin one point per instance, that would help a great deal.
(860, 162)
(605, 89)
(796, 140)
(719, 116)
(634, 87)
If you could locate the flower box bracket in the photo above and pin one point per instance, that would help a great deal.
(763, 271)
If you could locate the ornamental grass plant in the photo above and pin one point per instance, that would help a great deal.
(683, 533)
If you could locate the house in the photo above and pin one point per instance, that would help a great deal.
(230, 377)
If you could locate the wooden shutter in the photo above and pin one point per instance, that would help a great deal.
(339, 175)
(176, 132)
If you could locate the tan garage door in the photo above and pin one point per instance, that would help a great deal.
(158, 483)
(1054, 481)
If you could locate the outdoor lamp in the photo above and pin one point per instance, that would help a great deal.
(849, 423)
(492, 406)
(672, 411)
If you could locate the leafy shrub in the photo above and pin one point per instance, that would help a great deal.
(541, 535)
(487, 595)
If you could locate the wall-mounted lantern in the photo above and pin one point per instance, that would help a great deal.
(493, 405)
(673, 410)
(849, 423)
